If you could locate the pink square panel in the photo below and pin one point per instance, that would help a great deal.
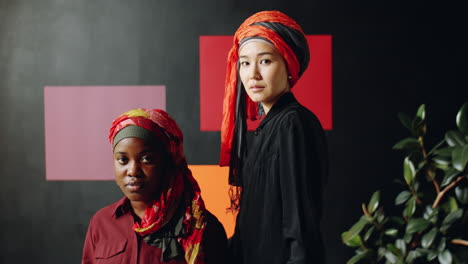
(313, 90)
(77, 121)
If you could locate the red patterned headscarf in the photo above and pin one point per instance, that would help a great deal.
(289, 41)
(179, 187)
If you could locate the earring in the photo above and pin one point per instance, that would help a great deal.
(289, 77)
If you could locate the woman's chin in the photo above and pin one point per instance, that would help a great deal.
(256, 98)
(135, 197)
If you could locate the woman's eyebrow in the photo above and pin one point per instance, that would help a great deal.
(258, 54)
(149, 151)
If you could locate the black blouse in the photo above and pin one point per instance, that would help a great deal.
(282, 177)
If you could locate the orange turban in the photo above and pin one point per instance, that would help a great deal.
(289, 41)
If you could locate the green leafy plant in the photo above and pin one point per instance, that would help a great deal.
(434, 202)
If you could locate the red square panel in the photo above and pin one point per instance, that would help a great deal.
(314, 89)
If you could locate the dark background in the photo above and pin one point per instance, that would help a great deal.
(388, 57)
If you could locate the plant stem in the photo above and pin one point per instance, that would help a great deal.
(436, 185)
(445, 190)
(429, 171)
(366, 213)
(460, 242)
(415, 195)
(364, 209)
(436, 146)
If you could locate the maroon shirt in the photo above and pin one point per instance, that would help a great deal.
(111, 239)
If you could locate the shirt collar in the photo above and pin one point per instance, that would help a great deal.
(283, 101)
(121, 207)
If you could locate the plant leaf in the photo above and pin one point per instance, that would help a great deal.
(442, 244)
(401, 245)
(431, 255)
(402, 197)
(393, 249)
(408, 170)
(416, 185)
(374, 202)
(410, 207)
(449, 175)
(429, 212)
(445, 257)
(359, 256)
(380, 216)
(398, 220)
(462, 194)
(462, 119)
(369, 232)
(419, 127)
(450, 219)
(412, 255)
(428, 238)
(460, 157)
(454, 138)
(391, 232)
(356, 241)
(453, 204)
(390, 256)
(416, 225)
(407, 144)
(408, 237)
(444, 152)
(436, 147)
(441, 162)
(421, 112)
(355, 229)
(405, 120)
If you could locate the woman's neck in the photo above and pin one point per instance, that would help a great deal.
(268, 105)
(139, 208)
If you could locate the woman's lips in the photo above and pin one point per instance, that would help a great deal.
(133, 186)
(256, 88)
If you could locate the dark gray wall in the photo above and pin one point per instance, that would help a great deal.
(387, 57)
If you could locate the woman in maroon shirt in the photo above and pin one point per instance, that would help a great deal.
(162, 218)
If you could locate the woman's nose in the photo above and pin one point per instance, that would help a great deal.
(133, 169)
(254, 73)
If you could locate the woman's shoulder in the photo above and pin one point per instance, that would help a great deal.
(297, 114)
(109, 210)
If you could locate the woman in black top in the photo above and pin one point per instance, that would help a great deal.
(279, 171)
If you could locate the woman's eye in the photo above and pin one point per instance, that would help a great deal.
(244, 63)
(146, 159)
(265, 61)
(122, 160)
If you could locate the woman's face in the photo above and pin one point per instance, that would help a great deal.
(263, 73)
(138, 169)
